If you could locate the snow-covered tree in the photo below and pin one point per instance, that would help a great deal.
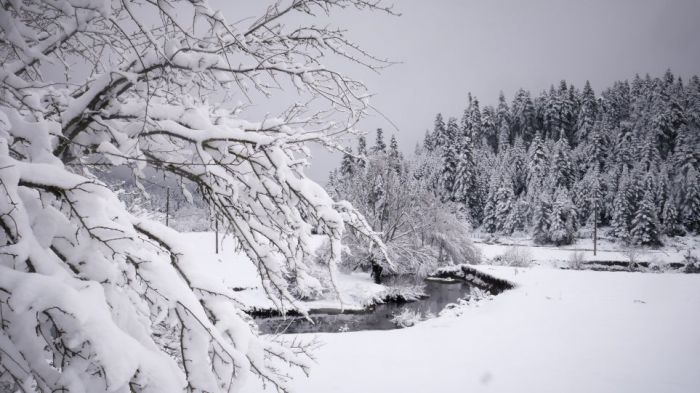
(563, 221)
(94, 298)
(542, 220)
(645, 228)
(419, 230)
(691, 211)
(379, 144)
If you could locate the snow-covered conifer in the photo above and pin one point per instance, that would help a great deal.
(645, 228)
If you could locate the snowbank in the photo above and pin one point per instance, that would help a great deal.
(235, 270)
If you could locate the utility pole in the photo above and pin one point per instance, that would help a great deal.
(595, 226)
(167, 207)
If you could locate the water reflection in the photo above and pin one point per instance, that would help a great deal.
(439, 295)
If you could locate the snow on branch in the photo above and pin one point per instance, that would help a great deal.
(94, 298)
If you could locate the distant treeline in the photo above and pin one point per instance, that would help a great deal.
(552, 163)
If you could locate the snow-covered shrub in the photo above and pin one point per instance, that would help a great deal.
(406, 318)
(692, 263)
(146, 87)
(576, 260)
(402, 293)
(516, 256)
(634, 256)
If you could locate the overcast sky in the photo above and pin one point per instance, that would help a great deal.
(451, 47)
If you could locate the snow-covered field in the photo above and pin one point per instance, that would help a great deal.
(674, 250)
(558, 331)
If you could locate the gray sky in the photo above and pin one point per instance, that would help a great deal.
(451, 47)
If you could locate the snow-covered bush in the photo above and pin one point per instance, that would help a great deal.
(576, 260)
(406, 318)
(515, 256)
(95, 298)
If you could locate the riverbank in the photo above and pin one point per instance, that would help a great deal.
(557, 331)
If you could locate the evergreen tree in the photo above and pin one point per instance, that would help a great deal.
(562, 164)
(448, 171)
(428, 143)
(687, 153)
(503, 137)
(489, 129)
(504, 207)
(379, 144)
(538, 166)
(465, 176)
(587, 114)
(347, 165)
(490, 222)
(563, 223)
(691, 214)
(542, 220)
(440, 137)
(622, 212)
(361, 152)
(646, 229)
(394, 154)
(672, 225)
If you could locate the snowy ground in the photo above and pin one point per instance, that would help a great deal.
(674, 250)
(558, 331)
(235, 270)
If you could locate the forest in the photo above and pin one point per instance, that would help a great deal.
(553, 164)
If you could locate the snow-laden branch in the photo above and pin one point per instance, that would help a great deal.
(93, 298)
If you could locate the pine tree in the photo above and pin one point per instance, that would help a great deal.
(465, 176)
(622, 211)
(347, 165)
(563, 218)
(687, 153)
(587, 114)
(538, 166)
(671, 219)
(428, 142)
(504, 208)
(691, 215)
(379, 144)
(361, 152)
(563, 170)
(440, 137)
(477, 132)
(542, 220)
(489, 128)
(394, 154)
(523, 115)
(446, 181)
(490, 222)
(646, 229)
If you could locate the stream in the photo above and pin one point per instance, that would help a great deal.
(440, 293)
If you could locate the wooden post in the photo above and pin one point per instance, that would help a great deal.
(216, 230)
(167, 207)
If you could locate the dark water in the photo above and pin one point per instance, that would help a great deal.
(439, 295)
